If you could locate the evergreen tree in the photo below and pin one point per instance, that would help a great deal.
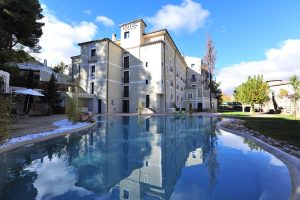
(20, 27)
(51, 94)
(60, 68)
(253, 91)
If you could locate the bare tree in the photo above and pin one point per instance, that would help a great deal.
(209, 63)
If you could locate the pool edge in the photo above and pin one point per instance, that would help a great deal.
(290, 161)
(45, 138)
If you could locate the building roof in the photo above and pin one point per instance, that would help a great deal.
(166, 32)
(136, 20)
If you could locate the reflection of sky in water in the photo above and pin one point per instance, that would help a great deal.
(237, 142)
(54, 178)
(188, 159)
(242, 174)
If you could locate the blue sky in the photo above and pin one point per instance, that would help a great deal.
(243, 31)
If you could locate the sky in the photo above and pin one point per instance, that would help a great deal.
(251, 36)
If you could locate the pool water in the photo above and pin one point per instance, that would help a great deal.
(159, 157)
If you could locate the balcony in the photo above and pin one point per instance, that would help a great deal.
(126, 94)
(92, 59)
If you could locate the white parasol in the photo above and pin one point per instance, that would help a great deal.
(29, 92)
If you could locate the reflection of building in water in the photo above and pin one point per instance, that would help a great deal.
(174, 145)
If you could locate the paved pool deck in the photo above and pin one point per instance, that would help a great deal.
(34, 124)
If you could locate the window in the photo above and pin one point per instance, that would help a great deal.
(126, 62)
(146, 179)
(125, 162)
(193, 77)
(125, 194)
(125, 134)
(126, 77)
(147, 163)
(126, 34)
(171, 96)
(126, 91)
(93, 52)
(162, 81)
(125, 148)
(146, 82)
(192, 65)
(92, 70)
(147, 125)
(190, 96)
(92, 88)
(193, 86)
(146, 64)
(112, 102)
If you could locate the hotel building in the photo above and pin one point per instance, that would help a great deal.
(139, 69)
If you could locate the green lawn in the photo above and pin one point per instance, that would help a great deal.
(282, 127)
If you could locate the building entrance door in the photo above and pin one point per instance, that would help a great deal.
(147, 101)
(99, 105)
(199, 107)
(125, 106)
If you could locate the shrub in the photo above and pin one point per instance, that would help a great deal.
(86, 117)
(5, 110)
(72, 110)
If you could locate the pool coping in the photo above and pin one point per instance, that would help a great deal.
(290, 161)
(45, 138)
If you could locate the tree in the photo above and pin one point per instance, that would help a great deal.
(60, 68)
(5, 111)
(296, 96)
(226, 98)
(51, 94)
(20, 27)
(72, 110)
(283, 93)
(253, 91)
(217, 91)
(209, 63)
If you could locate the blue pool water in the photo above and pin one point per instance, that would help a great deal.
(161, 157)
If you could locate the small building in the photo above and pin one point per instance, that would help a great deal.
(4, 81)
(283, 102)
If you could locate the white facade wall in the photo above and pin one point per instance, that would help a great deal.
(156, 69)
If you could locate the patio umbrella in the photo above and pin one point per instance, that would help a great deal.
(29, 92)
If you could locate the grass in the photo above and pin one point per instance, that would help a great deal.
(283, 127)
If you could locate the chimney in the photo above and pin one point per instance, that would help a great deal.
(45, 62)
(114, 37)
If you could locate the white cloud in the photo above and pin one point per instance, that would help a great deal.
(105, 20)
(189, 15)
(88, 12)
(280, 63)
(59, 40)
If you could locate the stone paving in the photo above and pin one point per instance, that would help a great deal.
(33, 124)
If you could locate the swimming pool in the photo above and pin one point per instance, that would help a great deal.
(158, 157)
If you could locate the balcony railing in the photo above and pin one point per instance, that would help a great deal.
(93, 59)
(125, 94)
(126, 80)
